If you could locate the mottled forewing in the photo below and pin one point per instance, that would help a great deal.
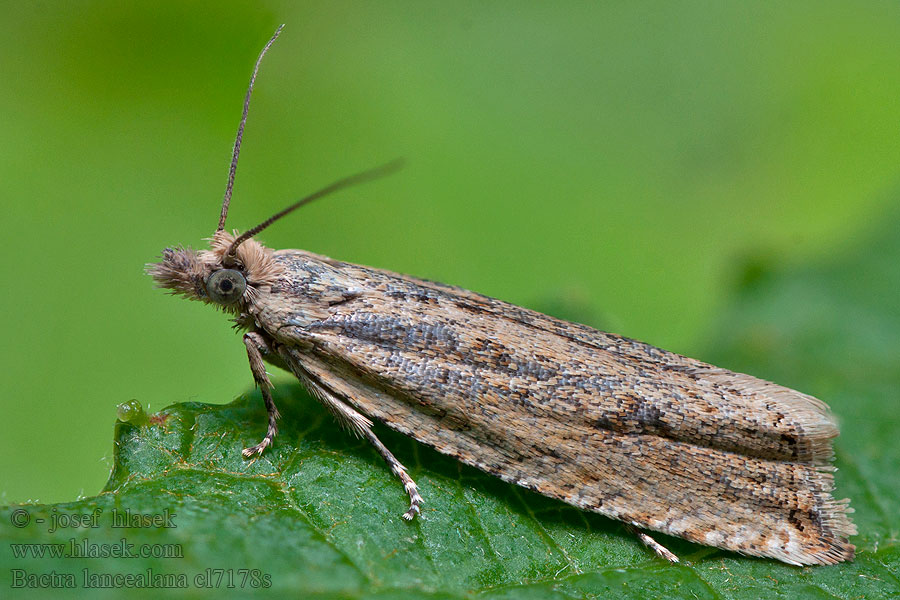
(602, 422)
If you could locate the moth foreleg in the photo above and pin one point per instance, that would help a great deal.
(648, 541)
(256, 346)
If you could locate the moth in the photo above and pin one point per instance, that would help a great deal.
(609, 424)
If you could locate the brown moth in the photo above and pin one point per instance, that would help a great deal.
(609, 424)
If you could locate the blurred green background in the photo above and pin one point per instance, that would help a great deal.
(625, 162)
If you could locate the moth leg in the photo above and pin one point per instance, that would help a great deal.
(648, 541)
(358, 424)
(256, 346)
(415, 500)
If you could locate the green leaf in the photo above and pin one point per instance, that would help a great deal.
(319, 513)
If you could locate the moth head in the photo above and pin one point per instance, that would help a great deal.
(214, 276)
(223, 274)
(184, 271)
(236, 266)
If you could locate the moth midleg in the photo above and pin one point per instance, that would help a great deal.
(346, 416)
(415, 500)
(256, 344)
(648, 541)
(355, 422)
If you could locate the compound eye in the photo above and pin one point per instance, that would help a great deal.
(226, 286)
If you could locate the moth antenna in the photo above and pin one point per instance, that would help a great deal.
(340, 184)
(240, 132)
